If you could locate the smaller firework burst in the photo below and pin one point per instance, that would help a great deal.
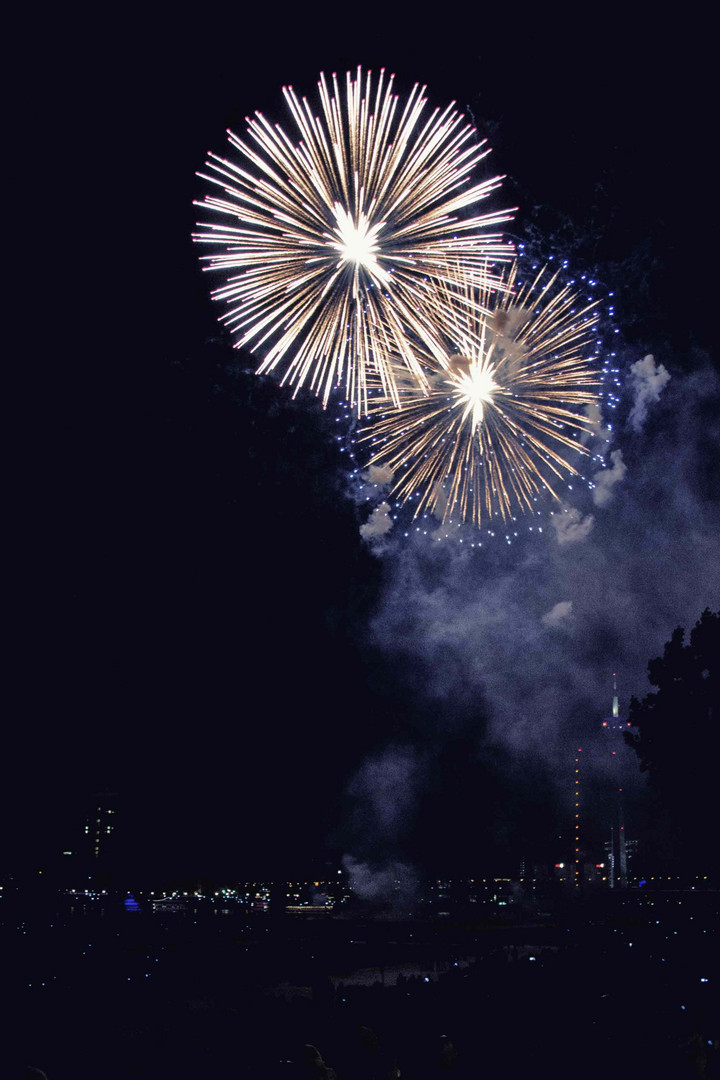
(506, 406)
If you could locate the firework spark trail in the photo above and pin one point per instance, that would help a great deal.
(504, 407)
(340, 238)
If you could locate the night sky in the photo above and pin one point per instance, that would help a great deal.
(197, 622)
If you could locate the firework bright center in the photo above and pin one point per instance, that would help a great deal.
(357, 241)
(476, 389)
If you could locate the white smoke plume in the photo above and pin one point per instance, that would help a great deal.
(570, 526)
(470, 623)
(374, 483)
(382, 475)
(384, 788)
(647, 381)
(595, 418)
(607, 478)
(378, 524)
(395, 881)
(559, 615)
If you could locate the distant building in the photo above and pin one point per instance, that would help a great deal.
(587, 865)
(614, 725)
(631, 847)
(616, 847)
(578, 855)
(100, 836)
(595, 874)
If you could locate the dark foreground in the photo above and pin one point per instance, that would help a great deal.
(626, 987)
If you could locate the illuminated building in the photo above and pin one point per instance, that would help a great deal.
(594, 874)
(615, 725)
(609, 846)
(616, 847)
(100, 833)
(631, 847)
(583, 866)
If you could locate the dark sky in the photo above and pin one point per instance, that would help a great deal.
(198, 622)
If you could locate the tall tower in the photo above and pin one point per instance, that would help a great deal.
(614, 726)
(577, 861)
(100, 838)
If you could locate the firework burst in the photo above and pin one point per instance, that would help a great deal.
(332, 245)
(504, 411)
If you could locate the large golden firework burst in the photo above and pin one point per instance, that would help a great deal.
(332, 245)
(504, 411)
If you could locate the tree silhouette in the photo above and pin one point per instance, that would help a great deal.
(676, 739)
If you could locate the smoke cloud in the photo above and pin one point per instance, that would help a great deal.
(647, 381)
(595, 419)
(473, 625)
(395, 882)
(558, 615)
(384, 789)
(385, 793)
(380, 475)
(374, 483)
(378, 524)
(606, 479)
(570, 526)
